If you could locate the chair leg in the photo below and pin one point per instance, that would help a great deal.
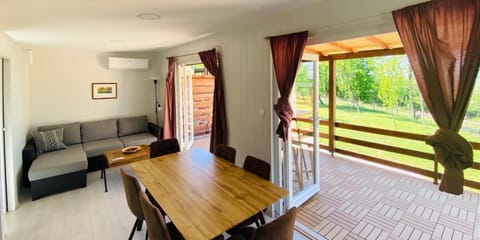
(261, 217)
(298, 168)
(146, 235)
(304, 158)
(133, 229)
(139, 225)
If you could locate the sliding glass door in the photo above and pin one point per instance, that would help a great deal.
(299, 170)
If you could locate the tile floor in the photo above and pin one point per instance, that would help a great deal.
(360, 200)
(85, 214)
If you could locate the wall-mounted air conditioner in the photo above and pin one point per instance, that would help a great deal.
(127, 63)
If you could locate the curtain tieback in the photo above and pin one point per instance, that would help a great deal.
(283, 109)
(456, 151)
(285, 114)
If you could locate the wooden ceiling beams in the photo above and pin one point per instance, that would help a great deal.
(369, 46)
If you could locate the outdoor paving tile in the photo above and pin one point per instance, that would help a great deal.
(362, 201)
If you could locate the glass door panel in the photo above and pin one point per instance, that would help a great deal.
(185, 127)
(304, 133)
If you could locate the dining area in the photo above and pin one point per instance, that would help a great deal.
(195, 194)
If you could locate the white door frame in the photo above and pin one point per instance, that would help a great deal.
(3, 191)
(276, 144)
(8, 200)
(187, 60)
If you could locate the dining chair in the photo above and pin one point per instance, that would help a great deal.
(157, 229)
(226, 152)
(302, 153)
(163, 147)
(279, 229)
(261, 169)
(132, 187)
(257, 167)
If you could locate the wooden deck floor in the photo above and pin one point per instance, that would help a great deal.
(364, 201)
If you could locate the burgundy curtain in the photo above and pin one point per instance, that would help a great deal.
(219, 134)
(441, 39)
(169, 103)
(287, 51)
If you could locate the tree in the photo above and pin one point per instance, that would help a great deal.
(355, 81)
(304, 82)
(323, 79)
(391, 75)
(474, 105)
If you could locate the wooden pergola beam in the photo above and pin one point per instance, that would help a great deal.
(378, 42)
(320, 53)
(373, 53)
(332, 91)
(343, 46)
(309, 50)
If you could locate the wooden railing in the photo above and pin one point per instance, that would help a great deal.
(384, 147)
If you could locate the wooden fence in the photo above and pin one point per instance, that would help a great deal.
(203, 86)
(384, 147)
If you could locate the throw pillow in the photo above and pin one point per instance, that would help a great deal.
(47, 141)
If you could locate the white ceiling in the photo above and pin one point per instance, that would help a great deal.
(112, 25)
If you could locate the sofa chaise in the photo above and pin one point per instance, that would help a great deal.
(81, 151)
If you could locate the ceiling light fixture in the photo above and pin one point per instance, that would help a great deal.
(148, 16)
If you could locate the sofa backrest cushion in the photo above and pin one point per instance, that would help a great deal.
(71, 132)
(98, 130)
(132, 125)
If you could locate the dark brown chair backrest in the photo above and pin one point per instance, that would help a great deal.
(156, 227)
(163, 147)
(279, 229)
(132, 186)
(257, 167)
(226, 152)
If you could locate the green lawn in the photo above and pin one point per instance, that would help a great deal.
(374, 116)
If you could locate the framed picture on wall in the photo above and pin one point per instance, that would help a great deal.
(104, 91)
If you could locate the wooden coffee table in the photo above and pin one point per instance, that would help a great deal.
(116, 158)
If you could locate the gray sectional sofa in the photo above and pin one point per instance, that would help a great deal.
(65, 169)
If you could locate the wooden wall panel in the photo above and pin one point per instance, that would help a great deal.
(245, 57)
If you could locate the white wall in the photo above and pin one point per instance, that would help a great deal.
(246, 59)
(60, 87)
(16, 113)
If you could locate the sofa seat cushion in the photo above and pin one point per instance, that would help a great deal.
(71, 159)
(96, 148)
(138, 139)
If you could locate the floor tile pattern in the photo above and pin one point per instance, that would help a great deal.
(84, 214)
(360, 200)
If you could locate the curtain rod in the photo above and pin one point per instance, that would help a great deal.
(190, 54)
(271, 36)
(183, 55)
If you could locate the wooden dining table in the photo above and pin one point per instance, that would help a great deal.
(203, 194)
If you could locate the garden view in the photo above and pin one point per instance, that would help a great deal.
(379, 92)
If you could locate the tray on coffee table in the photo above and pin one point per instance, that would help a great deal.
(127, 155)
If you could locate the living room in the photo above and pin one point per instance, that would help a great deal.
(51, 82)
